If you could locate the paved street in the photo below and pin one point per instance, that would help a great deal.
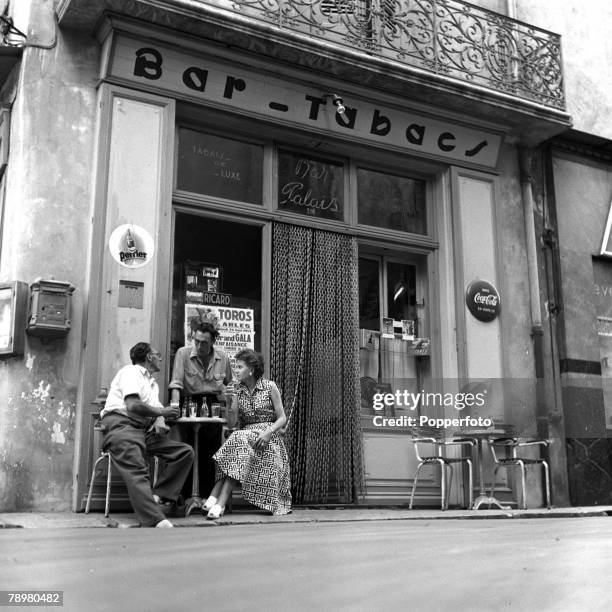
(560, 564)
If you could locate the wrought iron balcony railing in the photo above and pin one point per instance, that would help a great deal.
(444, 37)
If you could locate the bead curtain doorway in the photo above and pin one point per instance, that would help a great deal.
(314, 359)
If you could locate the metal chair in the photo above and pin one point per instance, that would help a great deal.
(106, 455)
(103, 455)
(512, 445)
(438, 458)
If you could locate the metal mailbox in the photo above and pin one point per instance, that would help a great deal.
(50, 305)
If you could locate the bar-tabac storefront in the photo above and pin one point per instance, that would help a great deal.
(353, 235)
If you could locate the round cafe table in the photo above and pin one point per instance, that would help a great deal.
(480, 435)
(195, 501)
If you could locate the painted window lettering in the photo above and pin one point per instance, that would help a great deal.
(293, 194)
(305, 168)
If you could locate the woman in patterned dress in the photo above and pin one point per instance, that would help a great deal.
(254, 456)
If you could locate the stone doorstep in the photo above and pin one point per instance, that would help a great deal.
(70, 520)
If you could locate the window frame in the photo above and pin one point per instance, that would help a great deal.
(336, 150)
(420, 262)
(344, 162)
(391, 171)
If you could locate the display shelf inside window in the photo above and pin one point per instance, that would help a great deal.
(200, 278)
(373, 340)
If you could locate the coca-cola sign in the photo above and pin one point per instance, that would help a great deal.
(482, 300)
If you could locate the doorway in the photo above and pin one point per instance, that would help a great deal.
(217, 276)
(394, 357)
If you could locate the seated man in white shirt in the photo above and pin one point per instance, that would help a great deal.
(134, 428)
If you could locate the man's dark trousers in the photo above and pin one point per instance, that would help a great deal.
(129, 444)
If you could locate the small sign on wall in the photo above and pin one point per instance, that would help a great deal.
(482, 300)
(131, 294)
(131, 246)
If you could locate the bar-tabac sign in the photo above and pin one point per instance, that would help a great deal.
(193, 76)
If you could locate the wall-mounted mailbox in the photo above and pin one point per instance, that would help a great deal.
(13, 307)
(50, 305)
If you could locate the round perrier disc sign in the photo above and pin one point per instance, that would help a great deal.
(131, 246)
(482, 300)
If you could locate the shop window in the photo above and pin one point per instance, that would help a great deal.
(219, 167)
(602, 273)
(397, 300)
(369, 302)
(391, 202)
(392, 329)
(310, 186)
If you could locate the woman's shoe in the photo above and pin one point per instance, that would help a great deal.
(210, 502)
(215, 512)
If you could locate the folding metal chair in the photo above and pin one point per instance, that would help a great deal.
(512, 445)
(438, 445)
(103, 455)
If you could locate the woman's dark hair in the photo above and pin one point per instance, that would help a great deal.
(253, 360)
(207, 327)
(139, 352)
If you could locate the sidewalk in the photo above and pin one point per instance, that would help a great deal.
(71, 520)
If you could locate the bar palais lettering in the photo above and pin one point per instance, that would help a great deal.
(192, 76)
(292, 193)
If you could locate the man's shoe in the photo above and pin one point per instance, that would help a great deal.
(165, 524)
(167, 506)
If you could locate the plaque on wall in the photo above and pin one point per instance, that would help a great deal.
(131, 246)
(483, 300)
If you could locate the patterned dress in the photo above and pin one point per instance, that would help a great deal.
(263, 474)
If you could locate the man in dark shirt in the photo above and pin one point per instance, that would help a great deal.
(201, 372)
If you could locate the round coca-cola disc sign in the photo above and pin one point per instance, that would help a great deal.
(483, 300)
